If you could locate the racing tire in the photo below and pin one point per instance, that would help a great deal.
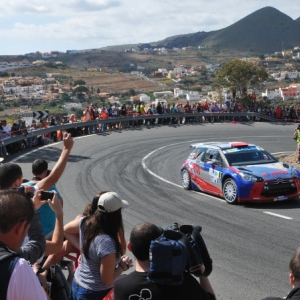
(185, 179)
(230, 191)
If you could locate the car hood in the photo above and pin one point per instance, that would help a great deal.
(269, 171)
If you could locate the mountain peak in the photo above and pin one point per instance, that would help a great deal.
(263, 31)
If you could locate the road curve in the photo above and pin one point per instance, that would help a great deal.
(250, 245)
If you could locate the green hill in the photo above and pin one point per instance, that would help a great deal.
(264, 31)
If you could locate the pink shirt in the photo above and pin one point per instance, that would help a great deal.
(24, 284)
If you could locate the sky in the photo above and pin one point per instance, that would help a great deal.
(61, 25)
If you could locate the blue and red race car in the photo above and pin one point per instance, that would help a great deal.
(239, 172)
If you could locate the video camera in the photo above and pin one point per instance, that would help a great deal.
(179, 249)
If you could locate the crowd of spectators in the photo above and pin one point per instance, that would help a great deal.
(161, 111)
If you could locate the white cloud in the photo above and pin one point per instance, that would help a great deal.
(84, 24)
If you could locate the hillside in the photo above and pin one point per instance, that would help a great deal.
(264, 31)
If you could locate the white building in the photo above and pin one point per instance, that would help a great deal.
(163, 71)
(193, 96)
(163, 93)
(72, 105)
(145, 98)
(290, 75)
(297, 56)
(272, 94)
(180, 69)
(178, 92)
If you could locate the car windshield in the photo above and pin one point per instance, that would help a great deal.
(248, 157)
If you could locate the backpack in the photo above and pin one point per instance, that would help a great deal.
(58, 286)
(179, 249)
(8, 260)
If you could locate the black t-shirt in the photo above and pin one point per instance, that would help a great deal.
(135, 286)
(294, 294)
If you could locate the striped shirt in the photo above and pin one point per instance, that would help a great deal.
(87, 274)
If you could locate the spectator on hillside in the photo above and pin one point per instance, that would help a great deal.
(18, 282)
(228, 101)
(173, 110)
(159, 110)
(103, 116)
(136, 283)
(187, 110)
(151, 111)
(180, 110)
(6, 128)
(123, 114)
(294, 278)
(142, 108)
(88, 115)
(3, 136)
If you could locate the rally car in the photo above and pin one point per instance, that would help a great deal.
(239, 172)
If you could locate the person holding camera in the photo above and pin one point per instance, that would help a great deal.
(40, 171)
(136, 283)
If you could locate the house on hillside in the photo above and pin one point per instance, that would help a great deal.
(290, 92)
(290, 75)
(271, 94)
(145, 98)
(192, 96)
(72, 105)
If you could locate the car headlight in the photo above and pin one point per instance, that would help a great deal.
(250, 177)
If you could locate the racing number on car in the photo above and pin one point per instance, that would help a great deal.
(215, 176)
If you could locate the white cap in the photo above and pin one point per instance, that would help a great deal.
(110, 202)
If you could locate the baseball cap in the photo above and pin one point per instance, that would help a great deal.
(110, 202)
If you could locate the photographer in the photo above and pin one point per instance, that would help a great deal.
(136, 283)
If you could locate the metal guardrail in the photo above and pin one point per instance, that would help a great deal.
(212, 116)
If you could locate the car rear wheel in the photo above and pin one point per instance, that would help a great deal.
(186, 179)
(230, 191)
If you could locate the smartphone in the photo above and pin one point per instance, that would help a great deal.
(46, 195)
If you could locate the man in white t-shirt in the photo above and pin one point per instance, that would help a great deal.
(5, 127)
(23, 284)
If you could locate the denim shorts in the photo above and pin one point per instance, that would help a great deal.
(80, 293)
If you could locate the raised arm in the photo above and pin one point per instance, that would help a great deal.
(60, 165)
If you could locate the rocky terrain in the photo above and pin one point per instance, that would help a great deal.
(290, 159)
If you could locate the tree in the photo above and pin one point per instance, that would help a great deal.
(81, 89)
(240, 75)
(79, 82)
(131, 92)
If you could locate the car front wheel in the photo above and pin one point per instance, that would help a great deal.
(186, 179)
(230, 191)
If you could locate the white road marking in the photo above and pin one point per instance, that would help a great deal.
(277, 215)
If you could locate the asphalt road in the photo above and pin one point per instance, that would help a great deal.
(250, 245)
